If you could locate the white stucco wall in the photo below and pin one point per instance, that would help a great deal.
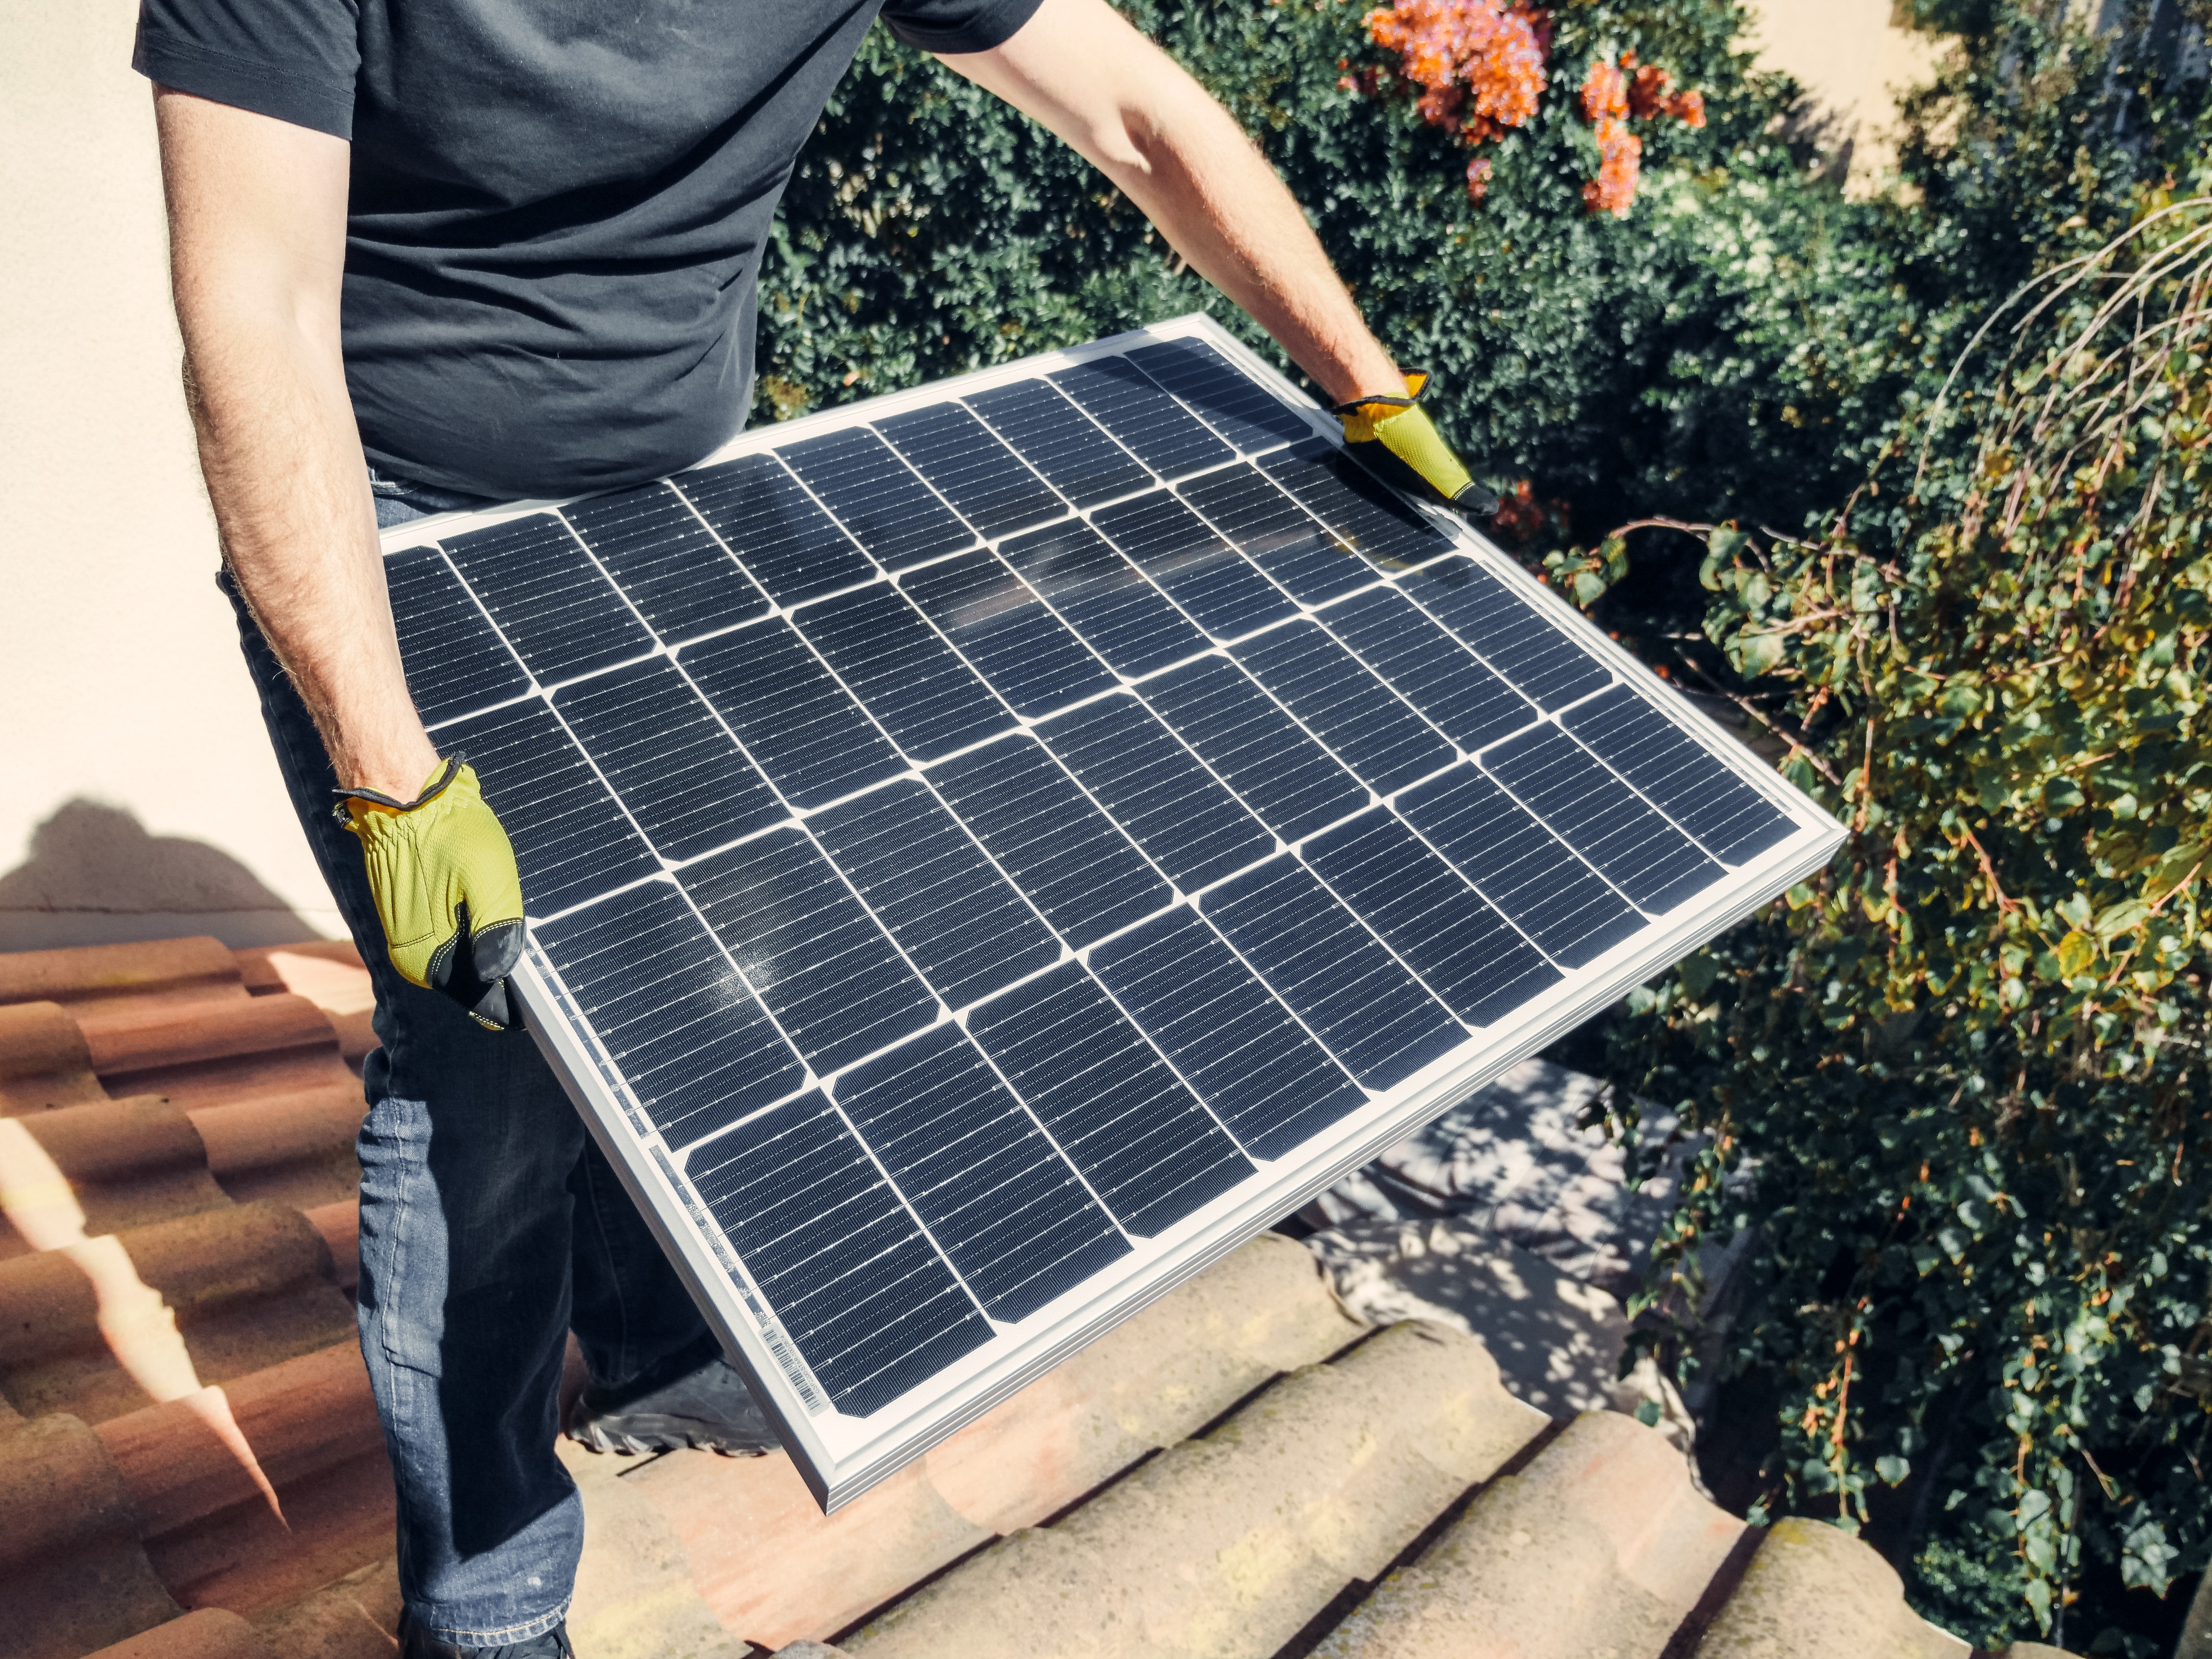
(137, 798)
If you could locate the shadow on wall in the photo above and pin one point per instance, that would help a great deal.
(96, 877)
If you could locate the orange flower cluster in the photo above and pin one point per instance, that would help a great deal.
(1611, 93)
(1479, 64)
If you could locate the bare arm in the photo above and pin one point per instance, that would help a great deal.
(257, 234)
(1080, 70)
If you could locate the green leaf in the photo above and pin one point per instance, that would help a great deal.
(1891, 1469)
(2122, 918)
(1648, 1413)
(1721, 546)
(2076, 952)
(1754, 654)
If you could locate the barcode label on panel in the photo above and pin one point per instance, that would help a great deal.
(786, 1356)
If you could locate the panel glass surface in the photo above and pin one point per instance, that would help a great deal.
(991, 849)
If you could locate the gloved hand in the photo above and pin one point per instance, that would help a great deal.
(1402, 427)
(446, 886)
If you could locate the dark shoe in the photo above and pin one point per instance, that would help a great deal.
(668, 1406)
(417, 1644)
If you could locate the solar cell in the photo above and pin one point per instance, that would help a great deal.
(998, 625)
(1530, 651)
(1733, 821)
(815, 958)
(1104, 598)
(852, 1277)
(683, 581)
(957, 919)
(1008, 1211)
(1587, 807)
(694, 1047)
(1283, 775)
(1070, 449)
(991, 489)
(571, 839)
(1355, 504)
(1352, 995)
(1133, 1129)
(1076, 867)
(1228, 1036)
(796, 721)
(929, 701)
(1152, 426)
(788, 543)
(877, 496)
(986, 855)
(1233, 405)
(1156, 789)
(542, 591)
(1382, 740)
(666, 756)
(1427, 667)
(1222, 590)
(1310, 562)
(454, 659)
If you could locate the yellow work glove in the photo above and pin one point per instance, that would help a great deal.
(1402, 427)
(446, 886)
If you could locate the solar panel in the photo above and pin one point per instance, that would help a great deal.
(991, 849)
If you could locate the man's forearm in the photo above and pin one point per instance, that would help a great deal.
(1166, 144)
(277, 444)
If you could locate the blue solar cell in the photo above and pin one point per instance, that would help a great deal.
(928, 700)
(1733, 820)
(1600, 818)
(790, 544)
(1172, 806)
(570, 839)
(1356, 505)
(803, 728)
(1383, 741)
(980, 476)
(687, 784)
(1519, 866)
(1057, 439)
(683, 581)
(1282, 774)
(1429, 668)
(877, 496)
(1292, 546)
(1542, 663)
(1149, 1150)
(1076, 866)
(1228, 1037)
(956, 917)
(1352, 994)
(455, 661)
(1223, 591)
(1104, 598)
(1441, 928)
(1005, 632)
(1005, 1208)
(1229, 400)
(854, 1282)
(680, 1025)
(1151, 425)
(830, 976)
(544, 594)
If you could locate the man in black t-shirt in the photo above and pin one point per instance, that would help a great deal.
(432, 252)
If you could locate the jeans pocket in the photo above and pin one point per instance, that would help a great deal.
(402, 1235)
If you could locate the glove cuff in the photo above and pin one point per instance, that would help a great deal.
(448, 772)
(1364, 418)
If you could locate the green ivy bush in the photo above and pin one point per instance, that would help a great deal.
(1964, 1068)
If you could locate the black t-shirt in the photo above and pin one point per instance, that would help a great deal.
(557, 208)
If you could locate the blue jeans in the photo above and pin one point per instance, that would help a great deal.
(491, 1225)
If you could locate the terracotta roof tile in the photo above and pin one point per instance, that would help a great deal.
(209, 1633)
(44, 1062)
(92, 978)
(72, 1575)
